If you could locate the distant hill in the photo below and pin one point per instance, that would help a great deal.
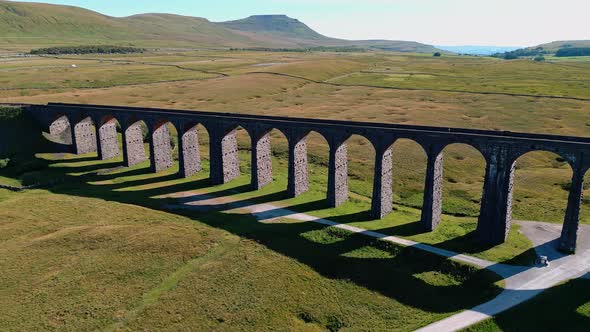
(556, 45)
(31, 25)
(545, 49)
(276, 25)
(478, 50)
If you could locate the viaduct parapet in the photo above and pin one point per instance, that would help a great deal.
(90, 128)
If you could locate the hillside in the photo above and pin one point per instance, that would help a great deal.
(556, 45)
(289, 30)
(31, 25)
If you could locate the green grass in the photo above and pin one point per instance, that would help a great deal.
(563, 307)
(95, 260)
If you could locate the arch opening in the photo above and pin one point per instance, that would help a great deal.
(546, 200)
(360, 170)
(463, 180)
(541, 191)
(409, 172)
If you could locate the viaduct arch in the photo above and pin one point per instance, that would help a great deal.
(93, 128)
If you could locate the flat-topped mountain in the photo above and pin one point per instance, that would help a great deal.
(29, 25)
(280, 25)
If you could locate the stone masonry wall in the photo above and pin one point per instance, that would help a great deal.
(162, 149)
(299, 177)
(230, 157)
(85, 137)
(263, 162)
(437, 188)
(509, 201)
(135, 150)
(109, 143)
(190, 152)
(61, 130)
(383, 192)
(338, 188)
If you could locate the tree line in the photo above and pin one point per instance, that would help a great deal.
(94, 49)
(573, 51)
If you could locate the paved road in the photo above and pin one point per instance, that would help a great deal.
(521, 282)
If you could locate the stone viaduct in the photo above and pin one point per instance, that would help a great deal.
(76, 124)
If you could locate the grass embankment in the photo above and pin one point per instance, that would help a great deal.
(75, 262)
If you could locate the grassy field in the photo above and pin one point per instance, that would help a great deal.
(120, 261)
(118, 274)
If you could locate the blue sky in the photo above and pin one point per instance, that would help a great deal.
(439, 22)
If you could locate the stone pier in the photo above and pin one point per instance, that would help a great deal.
(133, 148)
(261, 161)
(298, 174)
(495, 214)
(189, 157)
(160, 148)
(225, 160)
(108, 142)
(382, 203)
(432, 203)
(338, 174)
(84, 137)
(569, 232)
(61, 130)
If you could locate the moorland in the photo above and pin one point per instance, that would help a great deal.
(97, 246)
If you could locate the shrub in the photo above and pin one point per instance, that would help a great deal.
(4, 163)
(437, 54)
(539, 58)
